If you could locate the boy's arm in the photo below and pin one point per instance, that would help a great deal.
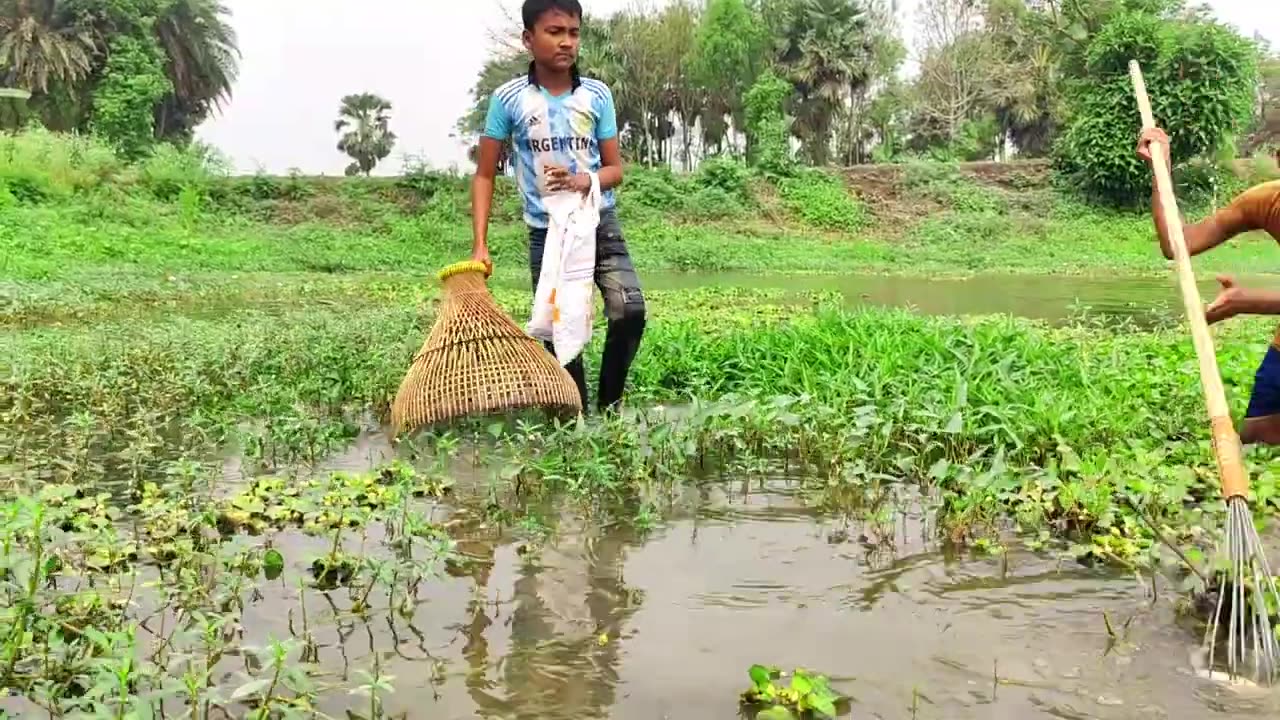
(1235, 300)
(1201, 236)
(610, 164)
(497, 128)
(482, 198)
(607, 136)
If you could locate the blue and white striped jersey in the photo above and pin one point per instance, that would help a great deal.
(563, 130)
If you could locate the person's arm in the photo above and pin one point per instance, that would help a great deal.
(607, 136)
(1234, 300)
(497, 128)
(1199, 237)
(482, 198)
(610, 164)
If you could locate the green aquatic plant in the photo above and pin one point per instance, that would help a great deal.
(109, 611)
(806, 695)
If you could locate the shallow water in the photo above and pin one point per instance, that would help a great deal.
(602, 622)
(1052, 298)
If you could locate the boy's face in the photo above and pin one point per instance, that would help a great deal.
(553, 41)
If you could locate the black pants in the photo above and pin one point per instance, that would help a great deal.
(623, 307)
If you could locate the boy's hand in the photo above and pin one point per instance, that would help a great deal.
(481, 255)
(1230, 302)
(1153, 135)
(559, 180)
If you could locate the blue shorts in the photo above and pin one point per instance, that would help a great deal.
(1265, 399)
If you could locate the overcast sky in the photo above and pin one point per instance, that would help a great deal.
(301, 56)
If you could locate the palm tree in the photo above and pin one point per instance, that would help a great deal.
(363, 121)
(826, 55)
(40, 44)
(202, 63)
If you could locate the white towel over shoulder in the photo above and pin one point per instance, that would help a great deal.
(563, 304)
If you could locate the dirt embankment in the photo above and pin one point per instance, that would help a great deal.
(892, 182)
(901, 195)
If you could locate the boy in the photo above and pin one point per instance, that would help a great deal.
(1257, 208)
(564, 129)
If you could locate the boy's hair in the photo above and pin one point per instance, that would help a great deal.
(534, 9)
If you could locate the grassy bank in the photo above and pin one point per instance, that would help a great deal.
(77, 221)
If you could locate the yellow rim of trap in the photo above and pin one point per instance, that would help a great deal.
(462, 267)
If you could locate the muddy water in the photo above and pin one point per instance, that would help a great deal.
(1143, 299)
(604, 622)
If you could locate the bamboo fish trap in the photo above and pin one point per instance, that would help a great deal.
(476, 360)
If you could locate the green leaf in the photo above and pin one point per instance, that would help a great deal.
(272, 564)
(801, 684)
(1070, 460)
(939, 469)
(825, 706)
(249, 689)
(956, 424)
(759, 676)
(777, 712)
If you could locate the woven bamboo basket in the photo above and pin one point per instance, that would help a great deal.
(476, 360)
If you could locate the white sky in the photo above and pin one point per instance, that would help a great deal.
(301, 56)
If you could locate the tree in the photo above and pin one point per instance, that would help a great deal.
(956, 85)
(202, 64)
(727, 58)
(767, 133)
(59, 50)
(1265, 132)
(42, 44)
(647, 106)
(1027, 77)
(825, 51)
(501, 68)
(677, 27)
(887, 116)
(886, 53)
(364, 121)
(125, 99)
(1202, 80)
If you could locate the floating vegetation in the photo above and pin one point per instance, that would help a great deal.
(805, 695)
(111, 610)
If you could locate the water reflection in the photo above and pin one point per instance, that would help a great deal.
(600, 622)
(564, 631)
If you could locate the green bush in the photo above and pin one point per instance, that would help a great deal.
(657, 189)
(944, 182)
(712, 203)
(168, 170)
(124, 100)
(926, 174)
(507, 204)
(1200, 77)
(427, 182)
(822, 201)
(726, 174)
(44, 163)
(972, 198)
(768, 138)
(1263, 168)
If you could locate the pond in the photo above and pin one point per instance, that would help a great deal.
(606, 622)
(1052, 298)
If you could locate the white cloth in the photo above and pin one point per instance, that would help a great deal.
(563, 304)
